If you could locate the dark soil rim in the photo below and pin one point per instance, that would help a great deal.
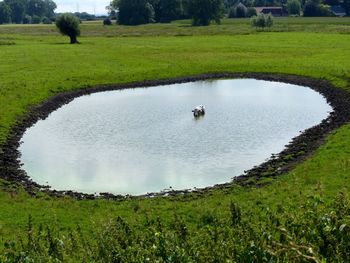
(295, 152)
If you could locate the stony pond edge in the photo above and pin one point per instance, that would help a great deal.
(295, 152)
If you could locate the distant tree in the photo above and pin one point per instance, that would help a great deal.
(262, 21)
(204, 11)
(260, 2)
(36, 8)
(69, 25)
(107, 22)
(346, 6)
(36, 19)
(311, 8)
(232, 12)
(168, 10)
(50, 7)
(293, 7)
(230, 3)
(5, 13)
(46, 20)
(135, 12)
(315, 8)
(251, 11)
(17, 10)
(27, 19)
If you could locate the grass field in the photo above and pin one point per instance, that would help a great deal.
(36, 63)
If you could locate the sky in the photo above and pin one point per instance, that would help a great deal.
(97, 7)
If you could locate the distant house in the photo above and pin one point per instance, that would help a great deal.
(338, 10)
(274, 10)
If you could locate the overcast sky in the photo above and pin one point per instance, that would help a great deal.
(90, 6)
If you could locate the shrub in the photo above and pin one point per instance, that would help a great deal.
(46, 20)
(107, 22)
(262, 21)
(27, 19)
(69, 25)
(36, 19)
(317, 231)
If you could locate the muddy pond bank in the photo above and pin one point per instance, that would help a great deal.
(298, 150)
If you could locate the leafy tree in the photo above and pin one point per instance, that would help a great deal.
(168, 10)
(262, 21)
(36, 19)
(346, 6)
(69, 25)
(17, 10)
(293, 7)
(27, 19)
(135, 12)
(36, 8)
(50, 7)
(203, 11)
(5, 13)
(46, 20)
(315, 8)
(251, 11)
(311, 8)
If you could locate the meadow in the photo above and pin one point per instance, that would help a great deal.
(303, 215)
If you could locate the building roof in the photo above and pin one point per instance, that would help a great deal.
(338, 10)
(261, 8)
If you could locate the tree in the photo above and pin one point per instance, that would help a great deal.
(69, 25)
(46, 20)
(135, 12)
(5, 13)
(203, 11)
(168, 10)
(36, 8)
(17, 10)
(251, 11)
(262, 21)
(36, 19)
(50, 7)
(293, 7)
(315, 8)
(27, 19)
(346, 6)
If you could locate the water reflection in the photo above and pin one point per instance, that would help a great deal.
(144, 140)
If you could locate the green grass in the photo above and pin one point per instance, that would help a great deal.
(39, 63)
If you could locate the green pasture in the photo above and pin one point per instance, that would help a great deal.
(36, 63)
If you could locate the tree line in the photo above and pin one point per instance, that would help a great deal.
(134, 12)
(27, 11)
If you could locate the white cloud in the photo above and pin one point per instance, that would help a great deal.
(90, 6)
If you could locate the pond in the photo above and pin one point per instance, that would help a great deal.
(143, 140)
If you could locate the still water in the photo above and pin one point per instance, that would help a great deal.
(143, 140)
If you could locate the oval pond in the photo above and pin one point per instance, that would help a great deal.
(143, 140)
